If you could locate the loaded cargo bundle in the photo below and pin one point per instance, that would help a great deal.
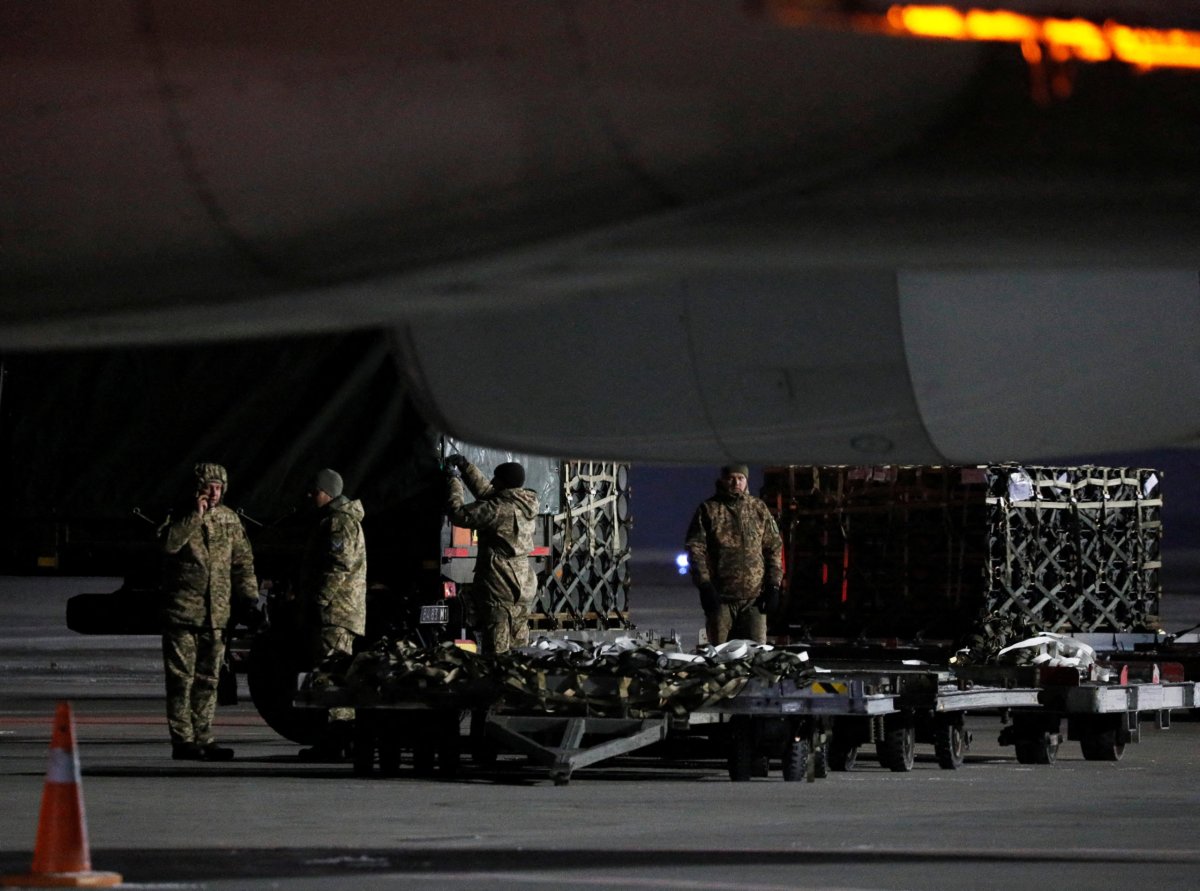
(624, 677)
(974, 554)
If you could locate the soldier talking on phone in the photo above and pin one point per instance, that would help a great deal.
(208, 563)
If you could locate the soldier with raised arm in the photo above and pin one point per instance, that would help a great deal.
(503, 516)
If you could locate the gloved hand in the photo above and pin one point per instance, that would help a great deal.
(768, 600)
(453, 473)
(710, 597)
(458, 462)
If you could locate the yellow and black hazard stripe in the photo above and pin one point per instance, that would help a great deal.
(829, 687)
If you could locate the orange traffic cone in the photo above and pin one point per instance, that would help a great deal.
(60, 855)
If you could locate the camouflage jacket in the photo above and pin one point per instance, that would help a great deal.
(333, 571)
(208, 561)
(733, 542)
(504, 522)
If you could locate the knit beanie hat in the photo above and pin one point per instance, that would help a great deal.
(511, 475)
(329, 482)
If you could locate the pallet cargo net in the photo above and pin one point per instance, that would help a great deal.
(587, 582)
(967, 553)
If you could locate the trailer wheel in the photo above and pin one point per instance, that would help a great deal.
(1040, 749)
(366, 735)
(389, 754)
(842, 757)
(424, 758)
(821, 762)
(449, 749)
(795, 760)
(741, 749)
(843, 745)
(271, 677)
(897, 748)
(950, 744)
(484, 751)
(1102, 745)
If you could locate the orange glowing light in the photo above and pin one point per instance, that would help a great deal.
(1063, 38)
(1039, 37)
(929, 21)
(1001, 25)
(1150, 48)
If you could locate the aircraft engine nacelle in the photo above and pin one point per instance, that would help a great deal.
(829, 366)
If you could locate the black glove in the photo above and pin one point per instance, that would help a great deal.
(768, 600)
(453, 473)
(710, 597)
(458, 462)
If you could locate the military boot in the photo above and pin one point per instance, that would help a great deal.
(214, 752)
(186, 751)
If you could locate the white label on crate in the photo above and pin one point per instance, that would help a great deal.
(1150, 483)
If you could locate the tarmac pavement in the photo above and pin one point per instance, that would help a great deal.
(267, 819)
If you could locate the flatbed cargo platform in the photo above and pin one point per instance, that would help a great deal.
(809, 726)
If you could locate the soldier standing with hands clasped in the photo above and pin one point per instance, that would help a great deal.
(208, 564)
(736, 558)
(333, 590)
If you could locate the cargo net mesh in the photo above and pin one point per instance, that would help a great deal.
(920, 552)
(586, 584)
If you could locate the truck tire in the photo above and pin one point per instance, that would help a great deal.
(950, 744)
(820, 758)
(1102, 745)
(271, 677)
(795, 760)
(896, 749)
(1038, 749)
(741, 749)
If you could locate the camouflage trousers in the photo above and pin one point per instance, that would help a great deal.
(502, 626)
(328, 640)
(736, 620)
(192, 664)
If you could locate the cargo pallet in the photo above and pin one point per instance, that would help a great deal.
(896, 708)
(810, 728)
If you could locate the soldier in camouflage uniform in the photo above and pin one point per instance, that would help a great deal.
(503, 516)
(208, 565)
(333, 592)
(735, 553)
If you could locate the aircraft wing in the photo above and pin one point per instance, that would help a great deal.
(678, 231)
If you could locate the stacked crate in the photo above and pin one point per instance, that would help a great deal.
(923, 552)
